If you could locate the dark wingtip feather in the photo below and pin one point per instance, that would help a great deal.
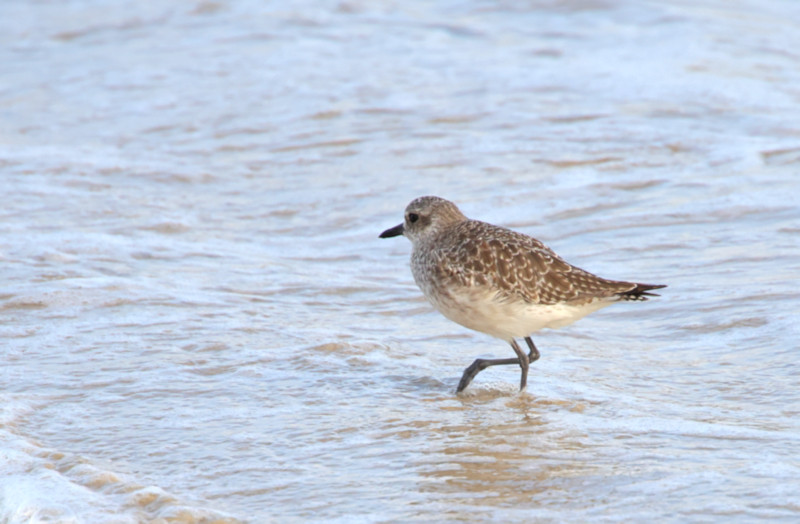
(640, 292)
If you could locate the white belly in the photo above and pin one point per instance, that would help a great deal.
(507, 319)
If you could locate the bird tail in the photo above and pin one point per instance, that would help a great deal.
(640, 292)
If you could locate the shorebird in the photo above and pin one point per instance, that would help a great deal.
(498, 281)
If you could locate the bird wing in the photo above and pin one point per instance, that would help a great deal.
(517, 266)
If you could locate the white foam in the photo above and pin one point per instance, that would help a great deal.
(39, 484)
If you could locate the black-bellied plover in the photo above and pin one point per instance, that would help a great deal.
(499, 282)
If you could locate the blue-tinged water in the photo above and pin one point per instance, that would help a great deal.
(198, 322)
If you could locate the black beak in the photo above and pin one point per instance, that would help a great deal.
(393, 232)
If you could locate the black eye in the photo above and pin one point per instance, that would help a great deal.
(413, 217)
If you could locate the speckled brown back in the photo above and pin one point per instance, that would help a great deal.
(516, 266)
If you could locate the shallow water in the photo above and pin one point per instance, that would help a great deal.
(200, 324)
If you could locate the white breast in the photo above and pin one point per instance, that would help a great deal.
(481, 310)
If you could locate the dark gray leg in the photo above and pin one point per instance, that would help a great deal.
(533, 356)
(478, 366)
(481, 364)
(523, 364)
